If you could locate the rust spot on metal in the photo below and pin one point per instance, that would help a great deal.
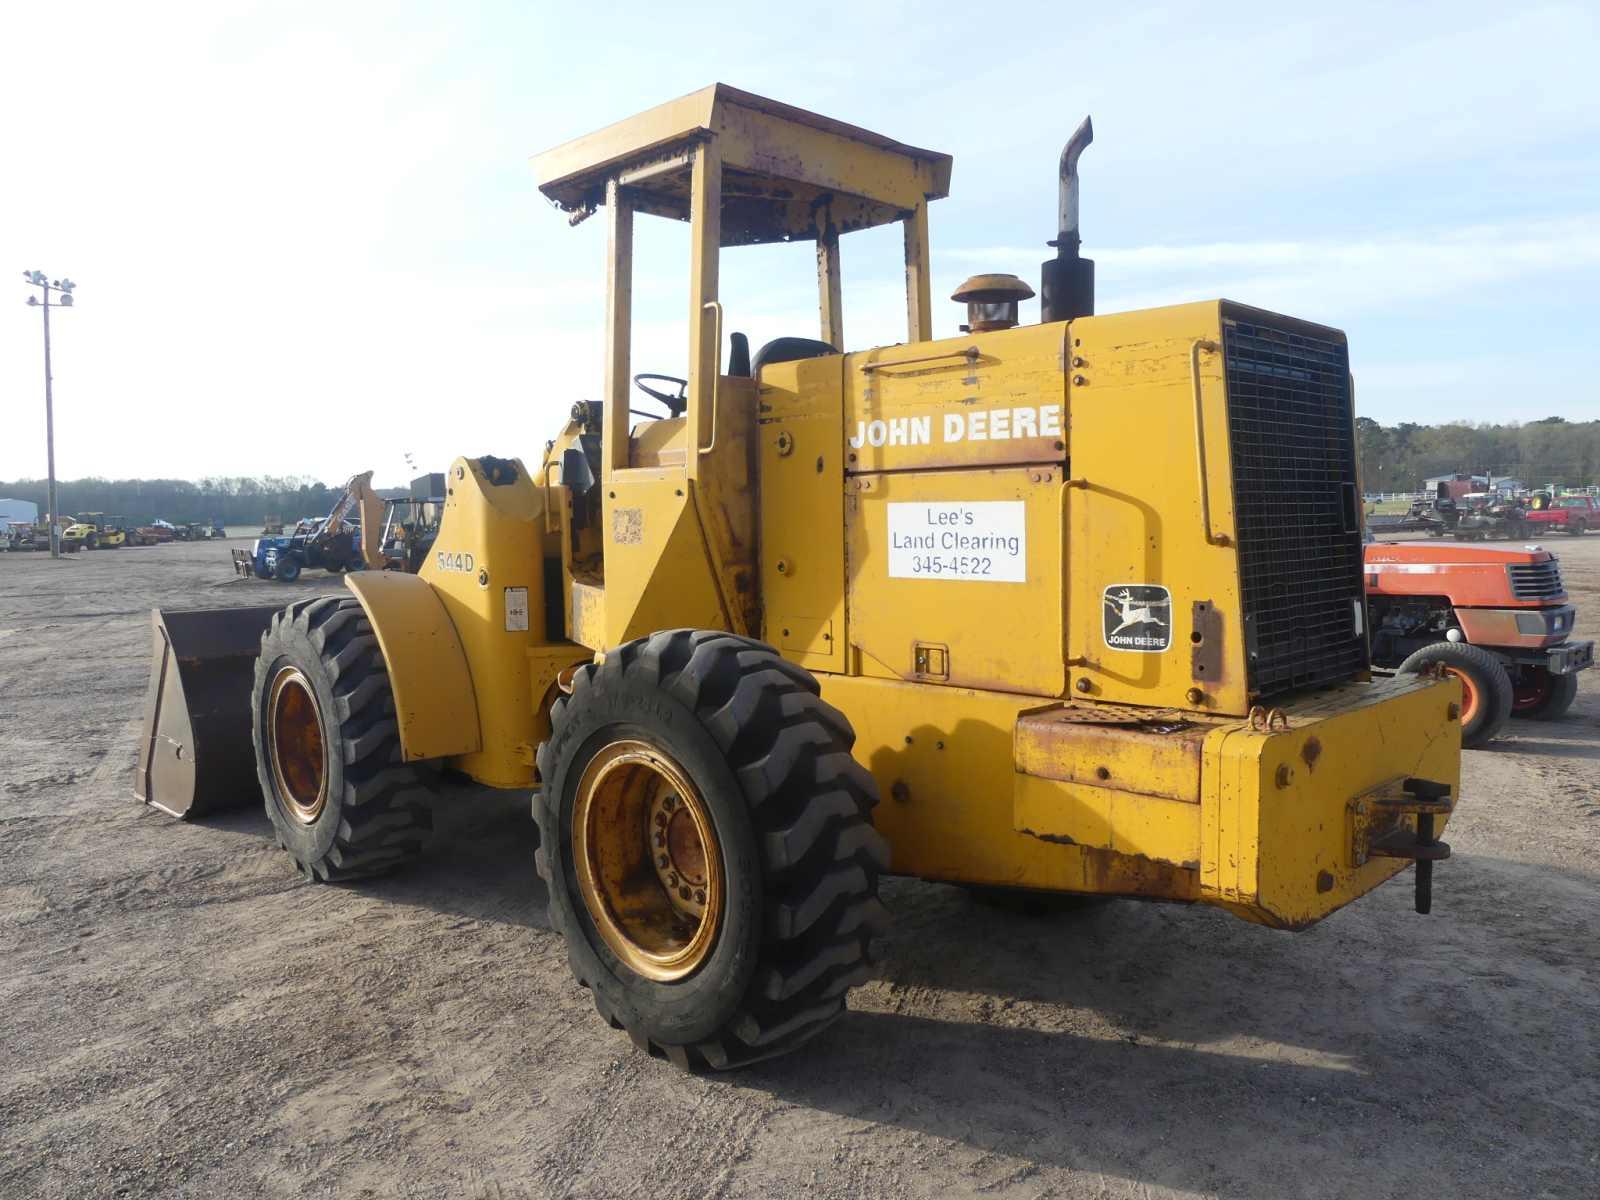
(1059, 839)
(1127, 875)
(900, 792)
(1081, 741)
(1324, 881)
(1205, 639)
(1310, 752)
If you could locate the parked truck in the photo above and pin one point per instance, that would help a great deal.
(1567, 514)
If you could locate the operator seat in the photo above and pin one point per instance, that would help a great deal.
(789, 349)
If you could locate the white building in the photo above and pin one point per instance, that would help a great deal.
(18, 510)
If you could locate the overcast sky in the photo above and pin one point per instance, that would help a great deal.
(308, 240)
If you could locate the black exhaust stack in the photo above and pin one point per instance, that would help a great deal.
(1067, 284)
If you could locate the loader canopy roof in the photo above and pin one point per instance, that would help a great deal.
(786, 172)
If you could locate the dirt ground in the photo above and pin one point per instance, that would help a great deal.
(181, 1016)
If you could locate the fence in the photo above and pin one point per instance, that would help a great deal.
(1413, 497)
(1387, 497)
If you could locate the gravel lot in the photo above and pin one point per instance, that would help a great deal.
(181, 1016)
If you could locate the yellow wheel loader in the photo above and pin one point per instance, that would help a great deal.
(1070, 607)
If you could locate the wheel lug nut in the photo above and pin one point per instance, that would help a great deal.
(662, 860)
(661, 839)
(671, 802)
(700, 896)
(672, 879)
(683, 893)
(661, 818)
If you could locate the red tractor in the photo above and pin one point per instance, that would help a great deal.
(1497, 618)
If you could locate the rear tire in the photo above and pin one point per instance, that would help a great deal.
(1541, 696)
(1486, 691)
(788, 843)
(340, 799)
(1576, 528)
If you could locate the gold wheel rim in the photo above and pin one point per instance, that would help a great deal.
(1469, 694)
(648, 861)
(299, 757)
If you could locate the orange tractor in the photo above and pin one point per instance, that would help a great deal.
(1497, 618)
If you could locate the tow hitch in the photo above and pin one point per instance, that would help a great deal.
(1378, 828)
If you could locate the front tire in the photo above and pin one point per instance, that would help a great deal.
(1486, 691)
(706, 841)
(340, 799)
(287, 569)
(1576, 528)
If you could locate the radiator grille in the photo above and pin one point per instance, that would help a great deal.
(1295, 504)
(1536, 581)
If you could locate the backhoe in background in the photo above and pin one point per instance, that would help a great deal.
(411, 524)
(1068, 607)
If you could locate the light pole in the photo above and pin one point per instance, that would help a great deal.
(64, 288)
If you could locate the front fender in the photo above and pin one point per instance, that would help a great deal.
(434, 702)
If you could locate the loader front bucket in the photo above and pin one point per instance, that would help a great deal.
(196, 755)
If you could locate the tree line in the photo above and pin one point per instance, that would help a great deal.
(1397, 458)
(1394, 458)
(235, 500)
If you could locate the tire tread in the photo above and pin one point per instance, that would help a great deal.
(810, 803)
(383, 815)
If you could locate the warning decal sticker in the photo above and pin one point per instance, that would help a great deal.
(1138, 617)
(516, 610)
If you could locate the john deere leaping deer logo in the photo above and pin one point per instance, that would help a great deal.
(1138, 616)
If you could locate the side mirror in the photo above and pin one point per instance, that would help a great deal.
(575, 471)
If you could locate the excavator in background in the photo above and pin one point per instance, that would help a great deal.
(1065, 607)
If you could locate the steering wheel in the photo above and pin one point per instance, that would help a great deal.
(674, 405)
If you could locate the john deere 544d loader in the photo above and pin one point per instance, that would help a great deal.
(1067, 607)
